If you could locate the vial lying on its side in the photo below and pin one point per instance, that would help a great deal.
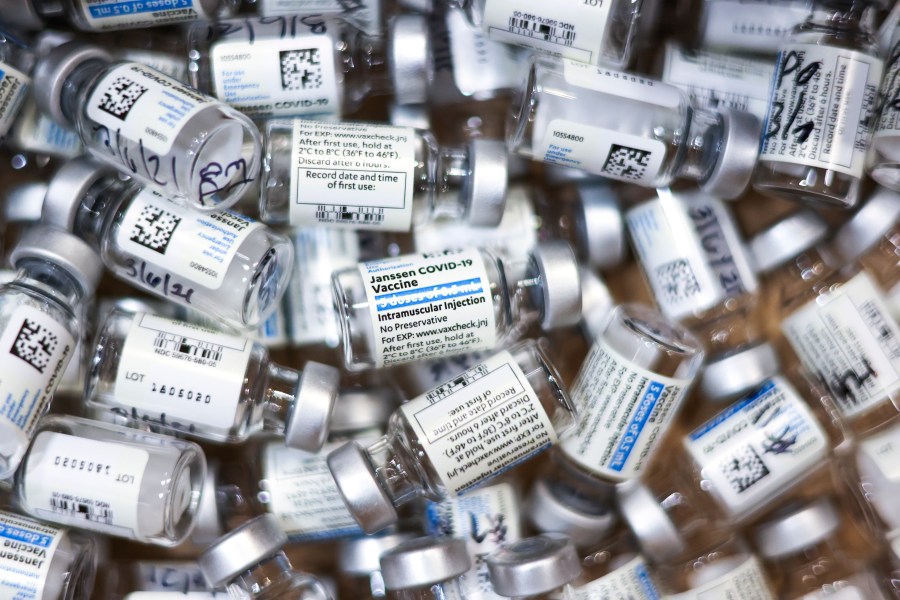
(425, 568)
(750, 26)
(536, 568)
(102, 15)
(16, 62)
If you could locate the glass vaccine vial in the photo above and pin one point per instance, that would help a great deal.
(222, 264)
(616, 569)
(751, 26)
(599, 33)
(45, 562)
(359, 566)
(434, 305)
(804, 156)
(380, 177)
(199, 151)
(884, 159)
(536, 568)
(112, 480)
(40, 326)
(169, 376)
(103, 15)
(434, 449)
(425, 568)
(250, 563)
(629, 128)
(16, 62)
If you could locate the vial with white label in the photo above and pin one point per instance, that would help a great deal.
(194, 148)
(368, 15)
(536, 568)
(16, 62)
(836, 323)
(616, 570)
(367, 176)
(884, 159)
(147, 579)
(822, 108)
(359, 568)
(112, 480)
(169, 376)
(873, 476)
(222, 264)
(40, 325)
(630, 128)
(250, 563)
(425, 568)
(43, 562)
(598, 33)
(102, 15)
(751, 26)
(434, 305)
(436, 447)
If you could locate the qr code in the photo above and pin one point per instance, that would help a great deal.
(154, 229)
(121, 97)
(677, 281)
(744, 468)
(627, 163)
(35, 345)
(301, 69)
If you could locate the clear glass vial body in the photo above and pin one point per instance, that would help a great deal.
(65, 569)
(802, 156)
(753, 26)
(108, 14)
(729, 568)
(425, 568)
(884, 158)
(616, 567)
(112, 480)
(16, 62)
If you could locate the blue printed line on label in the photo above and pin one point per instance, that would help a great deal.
(730, 411)
(636, 426)
(23, 535)
(646, 583)
(121, 9)
(445, 291)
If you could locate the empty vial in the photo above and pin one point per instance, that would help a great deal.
(192, 147)
(432, 453)
(631, 128)
(250, 563)
(378, 177)
(222, 264)
(113, 480)
(828, 72)
(102, 15)
(40, 325)
(43, 562)
(753, 26)
(155, 373)
(422, 306)
(16, 62)
(425, 568)
(884, 159)
(359, 566)
(536, 568)
(616, 569)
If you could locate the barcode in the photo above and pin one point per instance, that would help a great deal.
(87, 509)
(457, 383)
(881, 328)
(188, 346)
(363, 214)
(548, 33)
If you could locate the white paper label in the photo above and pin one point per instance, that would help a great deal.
(72, 480)
(365, 14)
(888, 123)
(196, 246)
(822, 108)
(481, 423)
(36, 132)
(570, 28)
(13, 89)
(167, 64)
(758, 447)
(631, 582)
(429, 305)
(352, 175)
(26, 551)
(884, 450)
(303, 495)
(878, 465)
(627, 86)
(180, 375)
(480, 65)
(746, 582)
(716, 81)
(848, 339)
(752, 25)
(623, 412)
(691, 253)
(169, 576)
(277, 77)
(122, 14)
(144, 107)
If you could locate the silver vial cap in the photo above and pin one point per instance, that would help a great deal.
(359, 409)
(657, 535)
(67, 187)
(737, 155)
(424, 561)
(643, 336)
(362, 556)
(63, 249)
(603, 227)
(487, 182)
(410, 56)
(550, 514)
(798, 530)
(736, 374)
(53, 70)
(786, 239)
(867, 227)
(21, 14)
(24, 203)
(356, 481)
(560, 283)
(246, 546)
(534, 565)
(307, 427)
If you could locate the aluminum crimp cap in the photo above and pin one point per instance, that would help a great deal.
(53, 70)
(786, 239)
(362, 555)
(66, 189)
(356, 481)
(487, 183)
(424, 561)
(657, 535)
(557, 267)
(737, 155)
(411, 58)
(248, 545)
(548, 513)
(314, 400)
(797, 530)
(534, 565)
(736, 374)
(61, 248)
(643, 336)
(870, 223)
(602, 226)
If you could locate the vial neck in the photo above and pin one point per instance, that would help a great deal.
(70, 99)
(48, 8)
(51, 280)
(98, 206)
(365, 66)
(268, 577)
(703, 145)
(452, 183)
(279, 397)
(395, 468)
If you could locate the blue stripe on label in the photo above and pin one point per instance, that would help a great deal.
(23, 535)
(444, 291)
(328, 534)
(731, 410)
(2, 74)
(646, 583)
(432, 518)
(121, 9)
(638, 421)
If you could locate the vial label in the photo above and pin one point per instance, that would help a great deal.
(715, 81)
(277, 72)
(691, 252)
(352, 175)
(752, 25)
(627, 86)
(180, 375)
(849, 340)
(850, 592)
(745, 582)
(426, 375)
(481, 423)
(36, 132)
(888, 123)
(85, 483)
(120, 14)
(25, 556)
(272, 333)
(364, 14)
(169, 576)
(480, 65)
(821, 108)
(623, 411)
(165, 63)
(303, 496)
(34, 352)
(178, 595)
(196, 246)
(429, 305)
(631, 581)
(13, 89)
(884, 451)
(573, 29)
(757, 447)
